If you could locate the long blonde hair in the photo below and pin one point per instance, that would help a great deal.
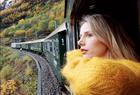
(112, 34)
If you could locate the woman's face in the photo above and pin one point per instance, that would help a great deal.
(90, 45)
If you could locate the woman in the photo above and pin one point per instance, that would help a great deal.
(106, 63)
(109, 34)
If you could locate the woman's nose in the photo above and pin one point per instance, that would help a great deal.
(81, 42)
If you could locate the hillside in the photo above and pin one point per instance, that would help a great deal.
(31, 18)
(18, 73)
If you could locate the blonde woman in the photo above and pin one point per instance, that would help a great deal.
(106, 63)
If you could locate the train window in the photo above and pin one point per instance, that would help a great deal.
(51, 47)
(46, 46)
(128, 16)
(62, 41)
(56, 47)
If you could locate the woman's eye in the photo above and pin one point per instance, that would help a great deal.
(89, 35)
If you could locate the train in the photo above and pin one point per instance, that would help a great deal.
(65, 37)
(51, 47)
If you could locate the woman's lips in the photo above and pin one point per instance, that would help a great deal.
(83, 51)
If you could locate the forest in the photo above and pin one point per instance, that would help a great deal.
(29, 19)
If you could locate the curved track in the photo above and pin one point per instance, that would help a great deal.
(47, 83)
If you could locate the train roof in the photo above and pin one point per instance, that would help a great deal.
(61, 28)
(34, 41)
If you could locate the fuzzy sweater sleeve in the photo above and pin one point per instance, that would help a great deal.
(98, 76)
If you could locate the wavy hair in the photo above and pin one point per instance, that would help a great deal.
(112, 34)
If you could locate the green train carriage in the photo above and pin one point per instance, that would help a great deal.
(55, 49)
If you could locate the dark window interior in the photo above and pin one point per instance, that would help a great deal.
(124, 11)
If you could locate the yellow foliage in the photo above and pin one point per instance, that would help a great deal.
(26, 58)
(19, 33)
(2, 34)
(6, 71)
(22, 21)
(51, 25)
(28, 33)
(6, 11)
(28, 71)
(56, 12)
(51, 15)
(9, 87)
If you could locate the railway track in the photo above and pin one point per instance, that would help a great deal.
(47, 83)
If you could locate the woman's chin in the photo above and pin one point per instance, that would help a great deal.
(87, 55)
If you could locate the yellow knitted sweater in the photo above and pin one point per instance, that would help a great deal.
(100, 76)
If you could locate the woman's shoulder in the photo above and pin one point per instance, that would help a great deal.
(103, 75)
(132, 65)
(110, 65)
